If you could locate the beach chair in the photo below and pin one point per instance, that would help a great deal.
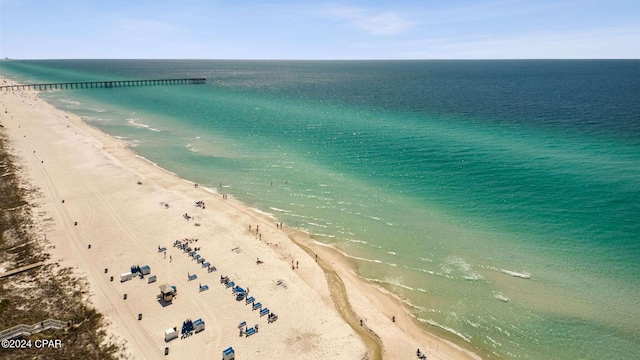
(206, 264)
(229, 284)
(249, 300)
(242, 324)
(176, 243)
(161, 249)
(192, 277)
(228, 354)
(257, 306)
(224, 279)
(203, 287)
(151, 279)
(201, 260)
(250, 331)
(211, 268)
(264, 311)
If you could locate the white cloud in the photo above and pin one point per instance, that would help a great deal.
(370, 21)
(615, 42)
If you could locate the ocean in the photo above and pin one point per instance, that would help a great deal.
(499, 199)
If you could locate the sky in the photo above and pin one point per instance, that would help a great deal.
(297, 29)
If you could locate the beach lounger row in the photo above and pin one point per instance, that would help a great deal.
(247, 331)
(238, 290)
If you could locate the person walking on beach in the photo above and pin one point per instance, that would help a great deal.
(170, 258)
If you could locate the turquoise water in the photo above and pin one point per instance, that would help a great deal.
(499, 198)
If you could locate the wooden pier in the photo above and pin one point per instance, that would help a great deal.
(104, 84)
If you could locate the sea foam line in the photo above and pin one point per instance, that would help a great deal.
(279, 210)
(407, 287)
(376, 261)
(132, 122)
(516, 274)
(433, 323)
(522, 275)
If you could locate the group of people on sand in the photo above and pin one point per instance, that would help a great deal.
(420, 355)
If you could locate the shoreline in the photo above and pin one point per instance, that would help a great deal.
(370, 302)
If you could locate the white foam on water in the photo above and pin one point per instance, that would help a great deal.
(324, 235)
(357, 241)
(133, 122)
(316, 224)
(156, 165)
(279, 210)
(209, 190)
(446, 328)
(258, 211)
(69, 101)
(397, 284)
(190, 147)
(522, 275)
(462, 266)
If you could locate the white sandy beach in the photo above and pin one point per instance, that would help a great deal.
(124, 223)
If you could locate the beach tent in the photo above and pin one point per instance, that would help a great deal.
(145, 270)
(167, 292)
(198, 325)
(170, 334)
(126, 276)
(228, 354)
